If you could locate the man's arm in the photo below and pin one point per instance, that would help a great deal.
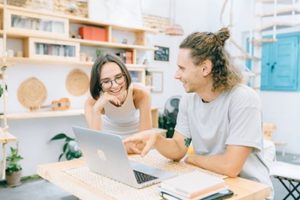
(172, 148)
(230, 163)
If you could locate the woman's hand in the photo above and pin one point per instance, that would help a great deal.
(104, 99)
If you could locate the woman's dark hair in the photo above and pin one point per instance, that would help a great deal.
(95, 87)
(206, 45)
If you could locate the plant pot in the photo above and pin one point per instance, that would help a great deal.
(13, 179)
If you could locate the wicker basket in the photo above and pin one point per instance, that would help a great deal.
(77, 82)
(32, 93)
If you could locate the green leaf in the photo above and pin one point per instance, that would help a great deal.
(60, 156)
(1, 90)
(59, 136)
(65, 147)
(68, 156)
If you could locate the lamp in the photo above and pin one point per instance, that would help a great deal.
(173, 29)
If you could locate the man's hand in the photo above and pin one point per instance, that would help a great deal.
(141, 143)
(134, 148)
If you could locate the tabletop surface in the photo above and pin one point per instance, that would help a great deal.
(75, 177)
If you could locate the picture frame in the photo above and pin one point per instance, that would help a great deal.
(157, 81)
(162, 53)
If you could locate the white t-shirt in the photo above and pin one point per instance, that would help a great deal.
(233, 118)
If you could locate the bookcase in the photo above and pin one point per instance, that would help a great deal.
(60, 39)
(51, 36)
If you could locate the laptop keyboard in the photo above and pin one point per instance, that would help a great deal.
(142, 177)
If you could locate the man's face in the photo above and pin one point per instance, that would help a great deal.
(192, 76)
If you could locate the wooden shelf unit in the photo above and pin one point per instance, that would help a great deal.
(53, 31)
(44, 114)
(65, 113)
(6, 138)
(18, 60)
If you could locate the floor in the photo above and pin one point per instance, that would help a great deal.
(39, 189)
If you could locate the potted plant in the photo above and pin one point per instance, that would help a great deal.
(70, 147)
(13, 168)
(167, 119)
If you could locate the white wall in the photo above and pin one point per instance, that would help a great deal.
(191, 15)
(280, 108)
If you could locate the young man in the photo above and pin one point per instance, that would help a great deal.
(218, 114)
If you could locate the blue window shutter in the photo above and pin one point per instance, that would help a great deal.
(280, 64)
(266, 79)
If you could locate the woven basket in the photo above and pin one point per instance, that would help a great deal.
(32, 93)
(77, 82)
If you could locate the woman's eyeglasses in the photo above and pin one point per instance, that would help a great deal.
(107, 83)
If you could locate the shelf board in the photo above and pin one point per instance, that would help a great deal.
(80, 20)
(44, 114)
(111, 44)
(74, 19)
(7, 137)
(25, 60)
(25, 35)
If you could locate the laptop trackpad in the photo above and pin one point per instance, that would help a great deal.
(161, 174)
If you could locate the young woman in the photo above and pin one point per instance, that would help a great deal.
(116, 105)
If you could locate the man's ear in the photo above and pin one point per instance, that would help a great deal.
(206, 67)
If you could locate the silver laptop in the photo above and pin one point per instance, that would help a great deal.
(105, 154)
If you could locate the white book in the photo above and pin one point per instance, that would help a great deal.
(192, 184)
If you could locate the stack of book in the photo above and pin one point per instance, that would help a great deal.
(195, 185)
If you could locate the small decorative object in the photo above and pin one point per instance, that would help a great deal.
(73, 35)
(77, 82)
(98, 53)
(18, 3)
(89, 59)
(10, 53)
(32, 93)
(161, 54)
(70, 147)
(61, 104)
(82, 57)
(173, 29)
(115, 40)
(124, 41)
(19, 53)
(93, 33)
(148, 81)
(145, 62)
(71, 7)
(13, 168)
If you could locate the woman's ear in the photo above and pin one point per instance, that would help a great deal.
(206, 67)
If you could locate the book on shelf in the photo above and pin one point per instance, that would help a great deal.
(192, 185)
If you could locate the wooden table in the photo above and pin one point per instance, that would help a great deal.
(75, 177)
